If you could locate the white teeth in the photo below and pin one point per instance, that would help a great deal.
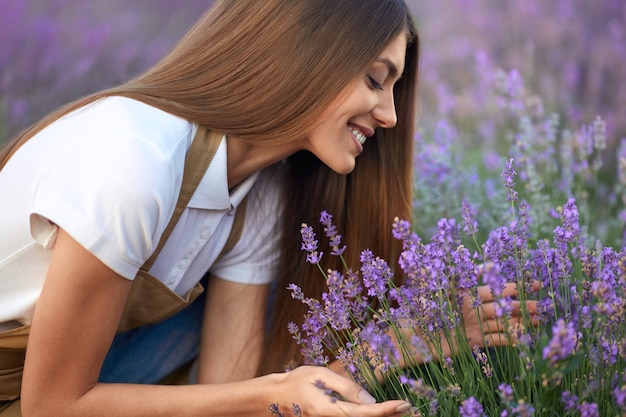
(358, 135)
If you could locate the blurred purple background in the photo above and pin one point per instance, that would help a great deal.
(570, 53)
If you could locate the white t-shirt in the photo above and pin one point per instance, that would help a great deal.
(110, 174)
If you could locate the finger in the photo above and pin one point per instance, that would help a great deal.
(348, 390)
(497, 325)
(490, 339)
(493, 326)
(510, 290)
(532, 307)
(384, 409)
(492, 310)
(484, 293)
(497, 339)
(357, 401)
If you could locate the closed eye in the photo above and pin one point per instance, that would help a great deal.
(374, 84)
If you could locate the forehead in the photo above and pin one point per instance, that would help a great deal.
(394, 54)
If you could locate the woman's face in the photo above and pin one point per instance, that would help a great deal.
(364, 105)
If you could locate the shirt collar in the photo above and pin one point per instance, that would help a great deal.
(212, 192)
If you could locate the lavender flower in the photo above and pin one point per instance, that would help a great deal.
(482, 359)
(511, 86)
(419, 387)
(309, 244)
(322, 385)
(350, 361)
(509, 180)
(448, 363)
(294, 331)
(563, 342)
(620, 396)
(381, 351)
(470, 225)
(331, 232)
(570, 230)
(274, 409)
(496, 283)
(296, 292)
(402, 231)
(589, 410)
(376, 274)
(506, 392)
(570, 401)
(523, 410)
(463, 272)
(337, 308)
(599, 142)
(471, 408)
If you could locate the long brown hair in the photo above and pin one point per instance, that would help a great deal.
(363, 203)
(258, 70)
(264, 71)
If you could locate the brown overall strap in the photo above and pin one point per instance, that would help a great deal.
(199, 157)
(235, 232)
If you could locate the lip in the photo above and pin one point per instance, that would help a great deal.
(366, 130)
(356, 141)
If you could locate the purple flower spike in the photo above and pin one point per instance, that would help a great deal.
(589, 410)
(496, 281)
(309, 244)
(506, 392)
(322, 385)
(620, 396)
(402, 231)
(296, 292)
(509, 180)
(273, 409)
(569, 401)
(563, 342)
(470, 225)
(471, 408)
(376, 274)
(331, 233)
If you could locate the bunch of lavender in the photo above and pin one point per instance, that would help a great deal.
(429, 340)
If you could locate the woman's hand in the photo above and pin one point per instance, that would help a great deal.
(318, 391)
(482, 326)
(486, 324)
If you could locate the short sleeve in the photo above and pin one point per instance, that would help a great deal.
(113, 194)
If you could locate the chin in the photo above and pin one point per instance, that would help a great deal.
(344, 169)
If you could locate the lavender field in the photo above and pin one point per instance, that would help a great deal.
(520, 168)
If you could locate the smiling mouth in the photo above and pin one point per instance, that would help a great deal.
(360, 136)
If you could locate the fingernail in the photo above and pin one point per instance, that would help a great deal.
(402, 408)
(366, 398)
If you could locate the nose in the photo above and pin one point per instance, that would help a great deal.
(385, 111)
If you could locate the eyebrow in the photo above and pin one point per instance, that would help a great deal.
(393, 70)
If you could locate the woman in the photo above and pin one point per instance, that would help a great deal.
(295, 106)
